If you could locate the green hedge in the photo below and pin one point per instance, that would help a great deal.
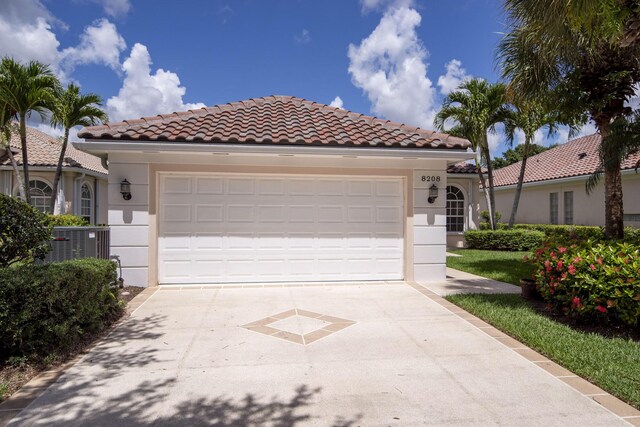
(504, 240)
(66, 220)
(47, 308)
(582, 232)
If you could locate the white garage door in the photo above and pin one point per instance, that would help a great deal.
(264, 228)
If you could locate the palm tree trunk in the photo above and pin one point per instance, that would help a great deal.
(483, 185)
(516, 197)
(492, 196)
(25, 159)
(613, 209)
(56, 179)
(16, 172)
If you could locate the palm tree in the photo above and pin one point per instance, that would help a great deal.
(590, 77)
(26, 88)
(7, 128)
(476, 107)
(529, 116)
(70, 109)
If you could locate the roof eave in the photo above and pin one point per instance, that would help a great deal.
(102, 147)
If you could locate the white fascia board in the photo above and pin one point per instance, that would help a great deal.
(70, 169)
(556, 181)
(103, 147)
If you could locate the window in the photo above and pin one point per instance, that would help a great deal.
(553, 208)
(568, 207)
(86, 203)
(40, 193)
(455, 209)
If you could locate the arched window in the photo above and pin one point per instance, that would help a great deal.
(455, 209)
(86, 203)
(40, 193)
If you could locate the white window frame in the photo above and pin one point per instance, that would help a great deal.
(464, 208)
(91, 201)
(42, 206)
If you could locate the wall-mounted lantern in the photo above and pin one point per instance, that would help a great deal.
(125, 189)
(433, 193)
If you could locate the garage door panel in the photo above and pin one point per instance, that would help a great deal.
(217, 229)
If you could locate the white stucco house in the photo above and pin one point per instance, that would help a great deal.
(280, 189)
(83, 182)
(554, 189)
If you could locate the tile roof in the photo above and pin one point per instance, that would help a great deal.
(463, 167)
(44, 150)
(575, 158)
(282, 120)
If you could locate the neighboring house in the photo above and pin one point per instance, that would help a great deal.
(277, 189)
(554, 187)
(83, 181)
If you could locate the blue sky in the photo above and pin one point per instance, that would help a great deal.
(391, 58)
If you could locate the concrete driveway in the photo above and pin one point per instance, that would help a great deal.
(372, 355)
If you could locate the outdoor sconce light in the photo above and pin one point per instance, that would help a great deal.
(433, 193)
(125, 189)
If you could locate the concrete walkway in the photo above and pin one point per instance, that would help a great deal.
(370, 355)
(459, 282)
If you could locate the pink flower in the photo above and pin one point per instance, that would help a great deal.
(559, 267)
(600, 261)
(601, 309)
(572, 269)
(577, 259)
(592, 267)
(575, 300)
(562, 250)
(552, 254)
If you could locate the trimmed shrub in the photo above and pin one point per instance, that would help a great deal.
(24, 232)
(582, 232)
(595, 281)
(66, 220)
(485, 216)
(504, 240)
(47, 308)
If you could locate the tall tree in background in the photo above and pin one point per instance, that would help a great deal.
(515, 155)
(586, 53)
(474, 109)
(25, 89)
(528, 116)
(70, 109)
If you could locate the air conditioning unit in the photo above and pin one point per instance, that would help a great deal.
(78, 242)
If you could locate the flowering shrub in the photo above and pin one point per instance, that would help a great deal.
(597, 281)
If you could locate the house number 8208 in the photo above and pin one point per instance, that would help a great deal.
(431, 178)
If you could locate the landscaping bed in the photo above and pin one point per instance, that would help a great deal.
(17, 371)
(607, 356)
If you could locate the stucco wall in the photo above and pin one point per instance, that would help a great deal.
(134, 223)
(534, 204)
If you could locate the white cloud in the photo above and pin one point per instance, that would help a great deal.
(453, 78)
(389, 66)
(337, 102)
(144, 93)
(27, 34)
(495, 140)
(369, 5)
(115, 8)
(563, 133)
(303, 38)
(100, 43)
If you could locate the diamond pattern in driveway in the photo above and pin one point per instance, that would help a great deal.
(183, 358)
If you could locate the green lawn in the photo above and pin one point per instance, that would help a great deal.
(611, 363)
(498, 265)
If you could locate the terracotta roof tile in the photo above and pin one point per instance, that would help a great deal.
(44, 150)
(463, 167)
(283, 120)
(575, 158)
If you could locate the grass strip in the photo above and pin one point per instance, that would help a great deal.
(613, 364)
